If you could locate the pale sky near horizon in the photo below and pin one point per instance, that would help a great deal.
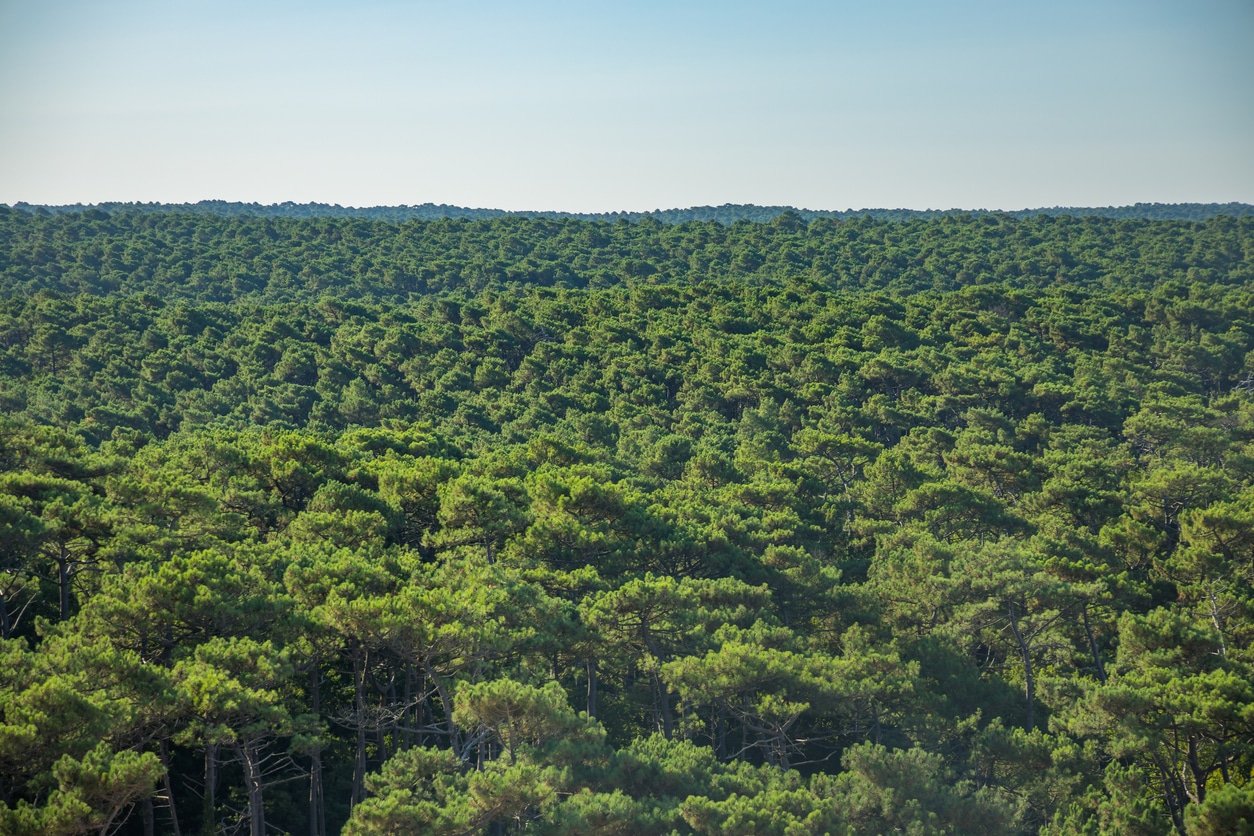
(596, 106)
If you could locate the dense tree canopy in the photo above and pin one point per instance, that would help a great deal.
(562, 526)
(728, 213)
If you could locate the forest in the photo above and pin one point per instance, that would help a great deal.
(728, 213)
(936, 525)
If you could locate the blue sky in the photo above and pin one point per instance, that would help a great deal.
(596, 106)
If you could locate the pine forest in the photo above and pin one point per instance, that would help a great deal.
(793, 525)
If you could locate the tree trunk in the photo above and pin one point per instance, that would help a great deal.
(1097, 659)
(447, 702)
(592, 687)
(744, 726)
(1214, 617)
(317, 820)
(1199, 774)
(248, 754)
(63, 583)
(381, 746)
(390, 738)
(1030, 686)
(5, 627)
(359, 763)
(317, 816)
(164, 754)
(209, 816)
(664, 701)
(1173, 794)
(406, 734)
(661, 701)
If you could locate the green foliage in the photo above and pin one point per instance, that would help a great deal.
(92, 795)
(1230, 810)
(536, 524)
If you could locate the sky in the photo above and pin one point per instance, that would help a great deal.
(592, 106)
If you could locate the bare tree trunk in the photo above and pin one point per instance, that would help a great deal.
(63, 583)
(6, 628)
(424, 716)
(1199, 774)
(164, 754)
(447, 701)
(744, 727)
(359, 764)
(209, 816)
(1173, 794)
(317, 819)
(381, 742)
(662, 717)
(248, 754)
(1097, 659)
(405, 737)
(390, 741)
(1029, 684)
(1214, 617)
(317, 815)
(592, 687)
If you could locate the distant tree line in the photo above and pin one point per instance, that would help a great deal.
(226, 259)
(728, 213)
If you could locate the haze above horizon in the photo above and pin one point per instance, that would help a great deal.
(599, 107)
